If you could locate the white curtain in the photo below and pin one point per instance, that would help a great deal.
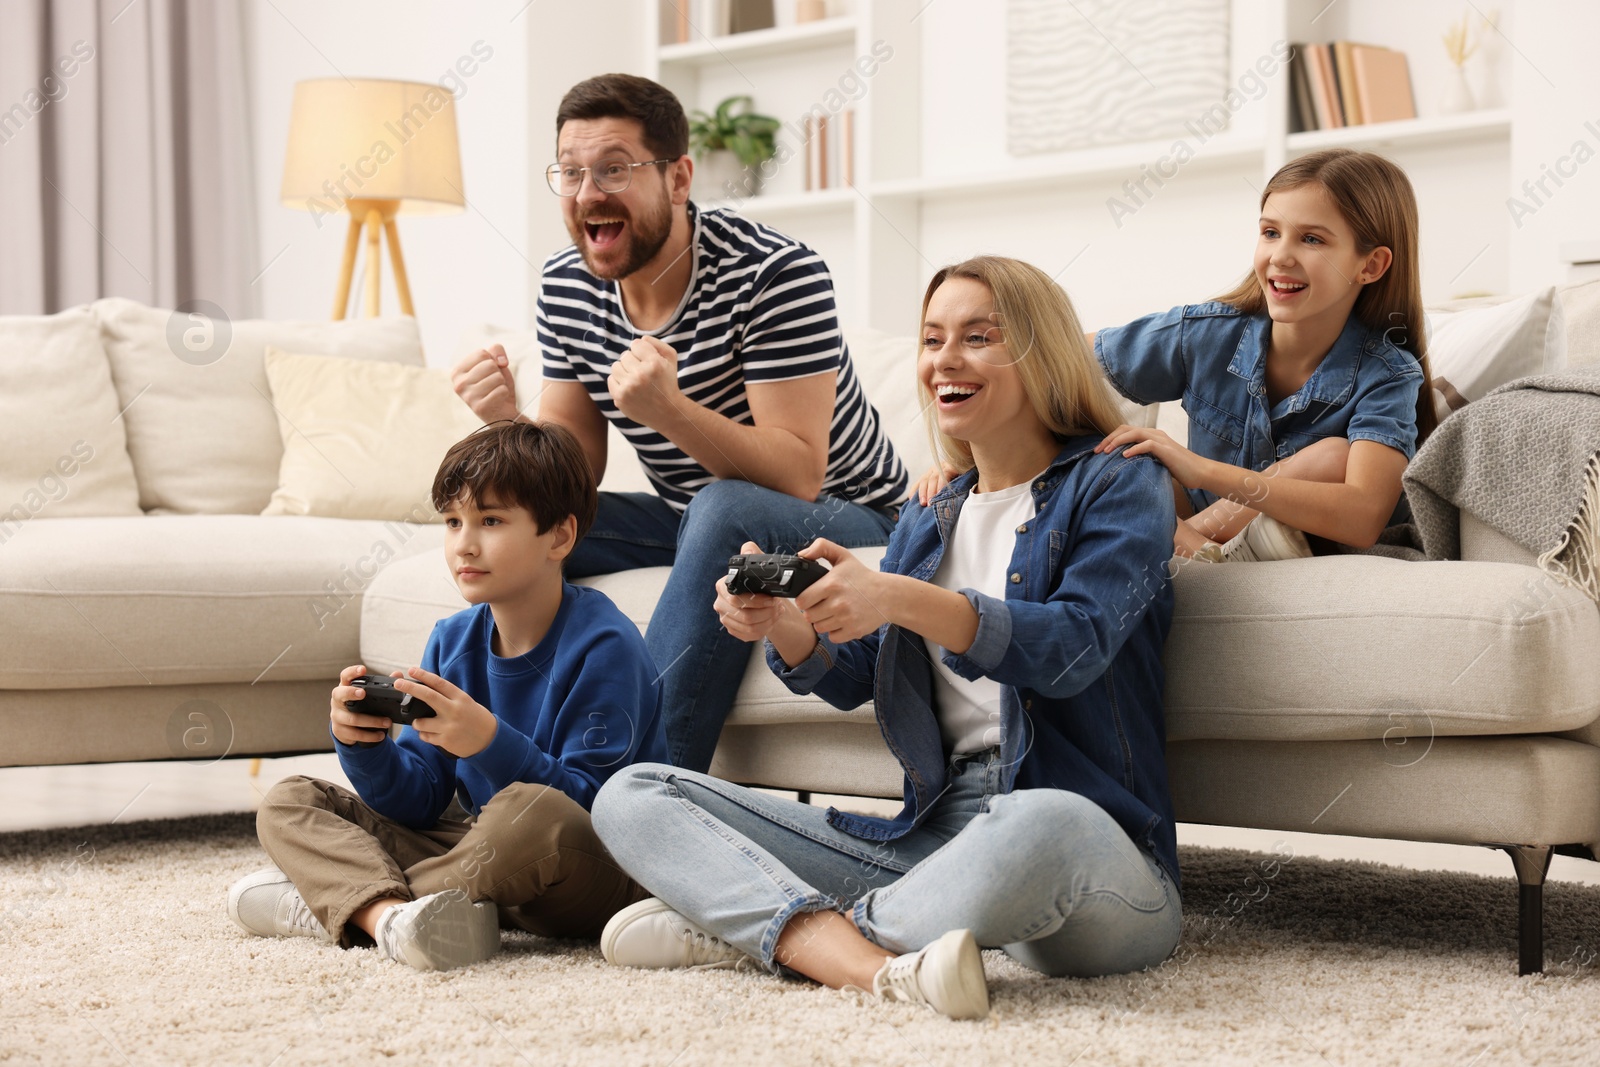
(124, 155)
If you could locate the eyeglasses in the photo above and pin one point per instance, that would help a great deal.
(609, 175)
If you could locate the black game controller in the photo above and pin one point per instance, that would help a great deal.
(773, 574)
(382, 698)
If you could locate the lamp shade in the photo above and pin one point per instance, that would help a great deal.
(365, 138)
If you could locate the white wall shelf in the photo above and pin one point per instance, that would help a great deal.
(1491, 125)
(759, 44)
(788, 205)
(1091, 164)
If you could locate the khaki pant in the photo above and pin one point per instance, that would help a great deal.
(532, 850)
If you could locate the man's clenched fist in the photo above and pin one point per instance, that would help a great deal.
(483, 381)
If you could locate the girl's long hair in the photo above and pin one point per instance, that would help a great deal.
(1044, 342)
(1375, 198)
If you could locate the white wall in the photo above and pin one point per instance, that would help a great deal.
(563, 40)
(464, 268)
(1556, 83)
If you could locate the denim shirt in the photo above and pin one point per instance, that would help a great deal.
(1214, 357)
(1075, 645)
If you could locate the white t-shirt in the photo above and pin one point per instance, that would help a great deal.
(977, 556)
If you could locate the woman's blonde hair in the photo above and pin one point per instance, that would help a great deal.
(1374, 196)
(1043, 341)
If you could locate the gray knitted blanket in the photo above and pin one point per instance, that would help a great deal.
(1524, 459)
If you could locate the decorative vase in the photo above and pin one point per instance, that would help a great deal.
(720, 176)
(1457, 95)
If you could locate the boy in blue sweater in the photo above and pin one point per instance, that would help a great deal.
(477, 817)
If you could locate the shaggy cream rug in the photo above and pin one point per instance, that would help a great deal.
(115, 948)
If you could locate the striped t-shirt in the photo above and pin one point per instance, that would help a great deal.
(759, 308)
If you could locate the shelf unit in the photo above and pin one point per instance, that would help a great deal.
(917, 176)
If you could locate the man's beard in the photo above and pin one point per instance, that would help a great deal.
(646, 235)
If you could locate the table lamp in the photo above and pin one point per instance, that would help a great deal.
(375, 149)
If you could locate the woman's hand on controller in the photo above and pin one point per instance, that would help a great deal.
(848, 603)
(353, 727)
(752, 616)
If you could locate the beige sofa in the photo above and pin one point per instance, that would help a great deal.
(1452, 702)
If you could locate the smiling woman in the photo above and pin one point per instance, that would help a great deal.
(1019, 691)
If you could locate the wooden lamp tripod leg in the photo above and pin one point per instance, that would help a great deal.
(347, 269)
(374, 261)
(401, 283)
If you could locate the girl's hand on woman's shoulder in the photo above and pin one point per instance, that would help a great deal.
(847, 604)
(931, 483)
(1181, 463)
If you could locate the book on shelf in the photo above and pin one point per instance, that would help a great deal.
(1348, 84)
(1383, 82)
(674, 21)
(1302, 109)
(830, 150)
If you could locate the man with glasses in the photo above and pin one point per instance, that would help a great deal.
(713, 344)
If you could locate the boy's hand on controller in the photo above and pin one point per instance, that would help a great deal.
(846, 603)
(460, 725)
(750, 616)
(353, 727)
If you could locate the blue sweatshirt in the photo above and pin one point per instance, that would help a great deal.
(577, 708)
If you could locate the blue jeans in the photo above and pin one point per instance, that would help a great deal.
(701, 665)
(1044, 874)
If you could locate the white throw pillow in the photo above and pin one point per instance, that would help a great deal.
(64, 451)
(361, 439)
(201, 430)
(1475, 346)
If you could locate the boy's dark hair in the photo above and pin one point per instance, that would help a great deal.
(535, 465)
(628, 96)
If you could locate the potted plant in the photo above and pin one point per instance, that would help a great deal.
(730, 145)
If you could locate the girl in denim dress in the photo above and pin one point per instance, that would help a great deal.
(1010, 644)
(1306, 385)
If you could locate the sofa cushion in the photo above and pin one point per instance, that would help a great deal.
(1476, 345)
(65, 449)
(362, 439)
(1354, 647)
(201, 429)
(1580, 305)
(163, 600)
(164, 722)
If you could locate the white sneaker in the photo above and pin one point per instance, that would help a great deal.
(947, 976)
(268, 905)
(651, 935)
(440, 931)
(1265, 539)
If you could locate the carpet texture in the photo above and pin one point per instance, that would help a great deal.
(115, 948)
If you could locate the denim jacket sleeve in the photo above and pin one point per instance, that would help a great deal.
(1116, 569)
(1144, 359)
(844, 675)
(1387, 414)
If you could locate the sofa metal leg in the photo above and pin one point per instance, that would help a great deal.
(1532, 863)
(803, 796)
